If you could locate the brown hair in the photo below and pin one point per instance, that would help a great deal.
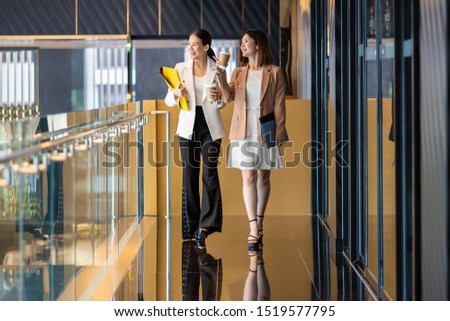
(264, 54)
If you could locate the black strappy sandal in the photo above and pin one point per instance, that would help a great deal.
(200, 238)
(253, 242)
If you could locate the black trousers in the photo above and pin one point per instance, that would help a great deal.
(200, 150)
(200, 268)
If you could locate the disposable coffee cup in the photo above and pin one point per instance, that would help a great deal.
(209, 91)
(224, 57)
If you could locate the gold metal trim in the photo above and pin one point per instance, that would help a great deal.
(128, 17)
(242, 15)
(201, 14)
(76, 17)
(159, 17)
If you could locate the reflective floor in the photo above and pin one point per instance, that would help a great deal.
(294, 265)
(86, 265)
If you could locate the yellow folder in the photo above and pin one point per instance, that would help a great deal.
(172, 79)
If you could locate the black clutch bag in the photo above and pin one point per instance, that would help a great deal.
(268, 130)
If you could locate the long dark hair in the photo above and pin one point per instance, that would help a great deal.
(264, 54)
(205, 37)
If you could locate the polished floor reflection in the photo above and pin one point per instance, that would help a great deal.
(85, 265)
(295, 264)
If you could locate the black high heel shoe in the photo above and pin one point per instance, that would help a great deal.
(253, 243)
(200, 238)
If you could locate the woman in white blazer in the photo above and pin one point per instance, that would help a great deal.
(200, 131)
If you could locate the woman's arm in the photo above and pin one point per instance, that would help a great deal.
(173, 95)
(227, 90)
(171, 99)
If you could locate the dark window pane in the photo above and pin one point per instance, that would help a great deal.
(179, 17)
(31, 17)
(256, 15)
(144, 17)
(223, 18)
(102, 17)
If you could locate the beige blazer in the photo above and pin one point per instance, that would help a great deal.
(186, 119)
(272, 100)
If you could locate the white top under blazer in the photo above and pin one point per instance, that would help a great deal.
(186, 119)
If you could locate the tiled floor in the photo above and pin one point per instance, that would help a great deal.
(297, 265)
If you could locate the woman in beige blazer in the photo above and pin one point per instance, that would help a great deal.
(257, 88)
(200, 131)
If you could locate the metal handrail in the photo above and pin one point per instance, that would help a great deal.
(39, 148)
(49, 135)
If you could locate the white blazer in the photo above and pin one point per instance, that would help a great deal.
(186, 119)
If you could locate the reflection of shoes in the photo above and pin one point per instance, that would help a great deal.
(199, 249)
(260, 231)
(201, 244)
(260, 238)
(203, 258)
(39, 234)
(253, 244)
(201, 237)
(46, 251)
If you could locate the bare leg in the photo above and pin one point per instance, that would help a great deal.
(249, 189)
(251, 285)
(262, 281)
(263, 192)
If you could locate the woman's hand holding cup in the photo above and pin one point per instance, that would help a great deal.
(224, 57)
(219, 69)
(212, 93)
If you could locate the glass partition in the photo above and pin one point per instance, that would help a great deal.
(68, 197)
(55, 76)
(380, 147)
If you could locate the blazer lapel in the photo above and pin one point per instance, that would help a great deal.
(209, 76)
(265, 81)
(210, 72)
(188, 82)
(241, 81)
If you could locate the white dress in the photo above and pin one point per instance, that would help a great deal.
(251, 153)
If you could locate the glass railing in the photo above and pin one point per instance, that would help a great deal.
(69, 196)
